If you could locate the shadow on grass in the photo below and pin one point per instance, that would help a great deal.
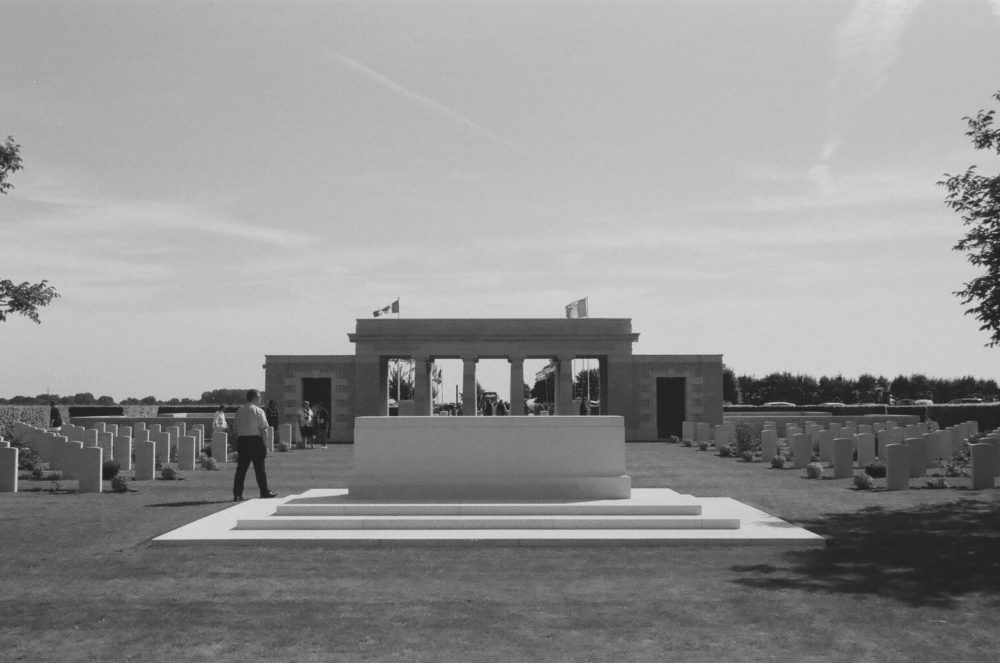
(193, 503)
(923, 556)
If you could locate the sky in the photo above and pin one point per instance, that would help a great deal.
(208, 183)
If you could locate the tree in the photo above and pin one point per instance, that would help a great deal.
(977, 199)
(730, 389)
(26, 298)
(580, 384)
(10, 162)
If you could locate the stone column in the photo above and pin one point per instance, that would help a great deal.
(564, 386)
(422, 388)
(469, 386)
(516, 386)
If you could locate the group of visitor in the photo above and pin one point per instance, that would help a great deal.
(314, 424)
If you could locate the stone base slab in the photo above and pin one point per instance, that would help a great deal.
(755, 526)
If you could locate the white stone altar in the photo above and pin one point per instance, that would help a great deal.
(489, 458)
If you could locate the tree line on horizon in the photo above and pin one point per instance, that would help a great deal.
(866, 388)
(213, 397)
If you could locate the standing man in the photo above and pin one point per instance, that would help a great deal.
(55, 417)
(321, 417)
(250, 427)
(306, 424)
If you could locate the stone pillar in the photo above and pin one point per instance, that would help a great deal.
(8, 469)
(516, 386)
(145, 460)
(186, 452)
(423, 391)
(469, 386)
(121, 450)
(983, 461)
(843, 457)
(89, 463)
(897, 467)
(918, 456)
(801, 448)
(564, 387)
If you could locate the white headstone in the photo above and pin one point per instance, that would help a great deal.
(801, 448)
(983, 457)
(145, 459)
(918, 456)
(897, 467)
(122, 452)
(186, 452)
(843, 458)
(8, 469)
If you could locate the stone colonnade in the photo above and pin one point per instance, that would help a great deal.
(607, 340)
(423, 389)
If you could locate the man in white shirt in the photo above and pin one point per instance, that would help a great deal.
(250, 426)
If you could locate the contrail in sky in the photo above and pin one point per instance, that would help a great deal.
(867, 44)
(430, 104)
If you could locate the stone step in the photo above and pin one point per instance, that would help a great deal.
(684, 506)
(484, 522)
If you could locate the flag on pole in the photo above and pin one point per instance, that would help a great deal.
(386, 310)
(577, 309)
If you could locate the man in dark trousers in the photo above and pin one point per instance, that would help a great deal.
(251, 429)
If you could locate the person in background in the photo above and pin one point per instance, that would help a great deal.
(305, 416)
(250, 426)
(219, 420)
(273, 419)
(321, 424)
(55, 417)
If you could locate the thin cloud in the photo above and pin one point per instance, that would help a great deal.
(426, 102)
(866, 47)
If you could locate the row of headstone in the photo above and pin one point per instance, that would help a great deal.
(909, 450)
(76, 461)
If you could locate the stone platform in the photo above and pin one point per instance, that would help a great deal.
(650, 517)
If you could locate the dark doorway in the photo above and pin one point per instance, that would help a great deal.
(670, 406)
(317, 390)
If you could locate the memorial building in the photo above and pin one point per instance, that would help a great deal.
(653, 393)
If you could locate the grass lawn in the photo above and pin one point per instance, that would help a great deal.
(905, 576)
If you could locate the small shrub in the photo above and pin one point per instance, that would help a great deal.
(110, 469)
(747, 438)
(747, 456)
(936, 484)
(875, 470)
(725, 452)
(688, 443)
(284, 446)
(864, 482)
(673, 439)
(168, 473)
(703, 446)
(37, 472)
(814, 470)
(209, 463)
(778, 462)
(120, 483)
